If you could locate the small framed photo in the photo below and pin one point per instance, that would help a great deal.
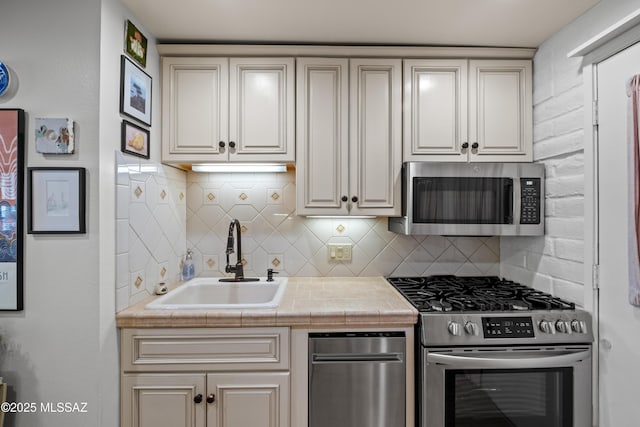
(54, 136)
(135, 140)
(135, 91)
(136, 44)
(56, 201)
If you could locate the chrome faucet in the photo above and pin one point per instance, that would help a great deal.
(238, 268)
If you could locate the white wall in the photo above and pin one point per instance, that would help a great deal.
(49, 350)
(65, 56)
(555, 262)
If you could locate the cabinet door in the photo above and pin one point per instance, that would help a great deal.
(322, 127)
(162, 400)
(195, 106)
(435, 110)
(261, 109)
(375, 147)
(248, 399)
(500, 110)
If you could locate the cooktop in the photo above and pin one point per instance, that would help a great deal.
(447, 293)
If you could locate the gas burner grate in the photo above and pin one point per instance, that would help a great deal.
(474, 293)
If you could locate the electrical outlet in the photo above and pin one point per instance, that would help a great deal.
(340, 251)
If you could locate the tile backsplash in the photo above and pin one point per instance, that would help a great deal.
(163, 211)
(150, 227)
(273, 237)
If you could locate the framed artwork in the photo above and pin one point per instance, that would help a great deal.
(135, 91)
(56, 200)
(136, 44)
(54, 136)
(12, 128)
(135, 140)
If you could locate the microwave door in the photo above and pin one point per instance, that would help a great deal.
(462, 200)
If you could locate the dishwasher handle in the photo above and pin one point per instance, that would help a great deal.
(356, 357)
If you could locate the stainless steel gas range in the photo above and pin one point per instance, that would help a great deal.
(495, 353)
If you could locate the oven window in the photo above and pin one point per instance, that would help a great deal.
(447, 200)
(509, 398)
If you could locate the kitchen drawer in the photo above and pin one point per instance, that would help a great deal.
(177, 349)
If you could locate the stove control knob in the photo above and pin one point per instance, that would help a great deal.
(547, 327)
(579, 326)
(454, 329)
(563, 327)
(471, 328)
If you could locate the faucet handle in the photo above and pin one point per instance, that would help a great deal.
(270, 274)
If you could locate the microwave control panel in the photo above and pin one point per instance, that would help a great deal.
(530, 200)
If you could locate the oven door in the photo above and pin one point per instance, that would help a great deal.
(506, 387)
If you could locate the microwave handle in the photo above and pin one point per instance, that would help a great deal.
(541, 361)
(512, 209)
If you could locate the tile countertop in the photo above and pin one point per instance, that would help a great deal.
(307, 302)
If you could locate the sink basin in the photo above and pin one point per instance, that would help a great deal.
(211, 293)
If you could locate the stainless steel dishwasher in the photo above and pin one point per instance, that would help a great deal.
(357, 379)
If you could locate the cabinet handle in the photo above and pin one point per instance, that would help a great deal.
(465, 145)
(211, 398)
(344, 198)
(197, 398)
(475, 145)
(221, 144)
(232, 144)
(354, 199)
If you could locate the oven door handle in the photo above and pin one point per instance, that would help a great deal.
(542, 361)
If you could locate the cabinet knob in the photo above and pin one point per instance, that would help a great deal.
(232, 144)
(465, 145)
(221, 144)
(197, 398)
(354, 199)
(211, 398)
(475, 145)
(344, 198)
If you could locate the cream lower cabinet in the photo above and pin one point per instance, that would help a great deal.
(468, 110)
(205, 377)
(217, 109)
(349, 136)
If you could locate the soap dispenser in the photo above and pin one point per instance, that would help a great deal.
(188, 269)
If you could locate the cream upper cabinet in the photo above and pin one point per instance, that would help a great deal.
(228, 109)
(468, 110)
(500, 111)
(348, 136)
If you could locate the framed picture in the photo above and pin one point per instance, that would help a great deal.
(12, 128)
(135, 91)
(135, 140)
(54, 136)
(136, 44)
(56, 200)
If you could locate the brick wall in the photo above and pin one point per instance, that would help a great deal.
(555, 262)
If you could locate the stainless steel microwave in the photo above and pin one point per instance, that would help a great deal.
(471, 199)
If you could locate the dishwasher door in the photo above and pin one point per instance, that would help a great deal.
(357, 379)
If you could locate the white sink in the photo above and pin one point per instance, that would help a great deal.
(211, 293)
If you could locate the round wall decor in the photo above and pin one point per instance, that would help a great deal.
(4, 78)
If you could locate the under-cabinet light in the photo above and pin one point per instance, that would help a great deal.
(341, 216)
(239, 167)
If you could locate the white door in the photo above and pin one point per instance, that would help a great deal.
(619, 321)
